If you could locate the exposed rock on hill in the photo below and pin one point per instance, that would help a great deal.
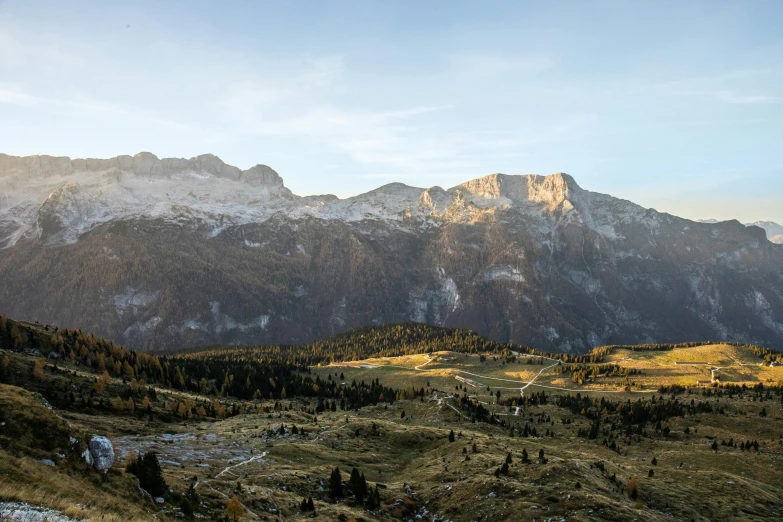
(100, 453)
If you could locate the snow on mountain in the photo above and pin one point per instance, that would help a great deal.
(61, 198)
(773, 230)
(58, 199)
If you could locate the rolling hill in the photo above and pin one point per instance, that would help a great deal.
(430, 422)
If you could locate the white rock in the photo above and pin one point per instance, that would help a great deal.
(23, 512)
(102, 453)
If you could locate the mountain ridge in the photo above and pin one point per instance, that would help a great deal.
(158, 257)
(143, 184)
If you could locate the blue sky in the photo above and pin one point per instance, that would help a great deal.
(674, 105)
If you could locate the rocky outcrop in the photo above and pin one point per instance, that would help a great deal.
(100, 453)
(65, 212)
(24, 512)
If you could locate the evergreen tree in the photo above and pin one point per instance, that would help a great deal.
(147, 469)
(189, 501)
(541, 458)
(358, 485)
(336, 484)
(307, 504)
(371, 504)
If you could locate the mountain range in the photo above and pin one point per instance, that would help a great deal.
(160, 253)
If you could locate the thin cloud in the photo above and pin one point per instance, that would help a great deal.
(743, 87)
(732, 97)
(21, 98)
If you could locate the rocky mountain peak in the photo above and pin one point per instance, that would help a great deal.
(143, 164)
(551, 190)
(262, 175)
(64, 211)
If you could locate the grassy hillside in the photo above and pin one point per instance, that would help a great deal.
(442, 423)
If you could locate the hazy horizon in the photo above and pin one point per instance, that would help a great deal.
(674, 107)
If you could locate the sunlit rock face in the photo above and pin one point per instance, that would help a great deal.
(166, 252)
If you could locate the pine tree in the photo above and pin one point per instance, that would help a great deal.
(525, 458)
(358, 485)
(336, 484)
(147, 469)
(541, 458)
(189, 501)
(451, 436)
(371, 505)
(305, 505)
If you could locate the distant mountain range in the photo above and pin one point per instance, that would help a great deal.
(773, 230)
(168, 252)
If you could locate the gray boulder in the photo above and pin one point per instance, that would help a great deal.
(100, 454)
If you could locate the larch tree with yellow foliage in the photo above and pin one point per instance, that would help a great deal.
(38, 369)
(234, 509)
